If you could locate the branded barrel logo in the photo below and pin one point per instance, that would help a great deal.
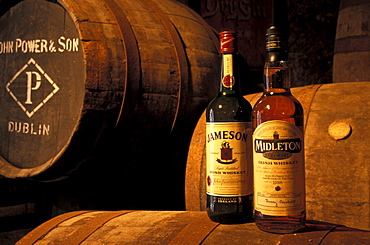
(31, 87)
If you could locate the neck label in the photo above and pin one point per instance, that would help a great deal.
(228, 79)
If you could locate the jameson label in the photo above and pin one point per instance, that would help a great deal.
(228, 79)
(229, 159)
(279, 177)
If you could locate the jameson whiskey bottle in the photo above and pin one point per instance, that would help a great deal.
(229, 169)
(278, 151)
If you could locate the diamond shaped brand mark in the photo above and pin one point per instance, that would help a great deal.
(31, 87)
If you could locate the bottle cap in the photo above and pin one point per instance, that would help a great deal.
(228, 42)
(275, 39)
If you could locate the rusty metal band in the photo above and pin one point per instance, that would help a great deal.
(348, 3)
(133, 64)
(90, 227)
(352, 44)
(195, 232)
(307, 101)
(47, 226)
(183, 66)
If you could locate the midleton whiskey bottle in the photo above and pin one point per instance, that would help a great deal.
(278, 150)
(229, 171)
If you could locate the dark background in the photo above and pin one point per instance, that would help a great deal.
(312, 27)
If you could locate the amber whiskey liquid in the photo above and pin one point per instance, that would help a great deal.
(229, 170)
(278, 148)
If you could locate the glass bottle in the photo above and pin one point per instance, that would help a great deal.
(278, 146)
(229, 169)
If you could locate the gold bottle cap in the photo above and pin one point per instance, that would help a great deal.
(275, 39)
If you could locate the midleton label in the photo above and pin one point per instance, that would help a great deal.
(229, 159)
(279, 177)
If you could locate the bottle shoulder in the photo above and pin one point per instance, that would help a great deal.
(278, 107)
(275, 100)
(229, 108)
(231, 99)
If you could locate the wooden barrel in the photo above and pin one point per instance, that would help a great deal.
(336, 154)
(86, 77)
(352, 44)
(175, 227)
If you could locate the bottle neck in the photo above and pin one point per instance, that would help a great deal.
(229, 74)
(276, 74)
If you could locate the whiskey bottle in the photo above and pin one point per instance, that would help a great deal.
(278, 149)
(229, 171)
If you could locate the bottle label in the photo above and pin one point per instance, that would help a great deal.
(229, 159)
(228, 79)
(279, 177)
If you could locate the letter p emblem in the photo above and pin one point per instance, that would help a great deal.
(30, 87)
(38, 80)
